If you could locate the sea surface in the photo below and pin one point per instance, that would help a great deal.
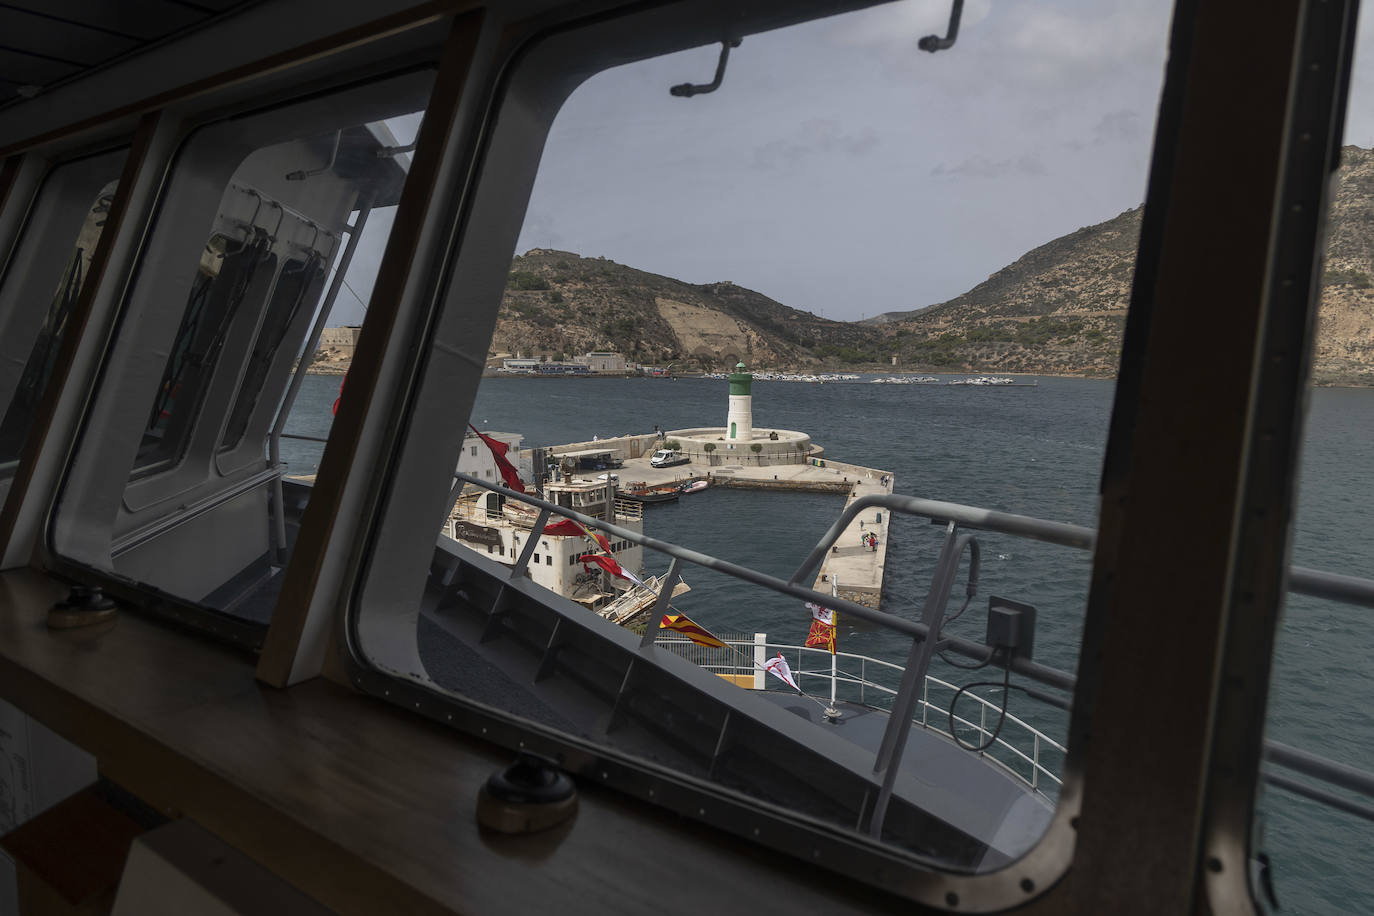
(1029, 450)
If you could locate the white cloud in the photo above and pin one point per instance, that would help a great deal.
(1062, 47)
(813, 136)
(979, 166)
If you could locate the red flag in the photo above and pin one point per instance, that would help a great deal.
(340, 397)
(608, 563)
(822, 635)
(567, 527)
(498, 451)
(681, 623)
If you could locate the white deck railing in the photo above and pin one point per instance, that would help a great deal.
(1020, 748)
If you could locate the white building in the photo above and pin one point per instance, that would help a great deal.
(601, 361)
(477, 461)
(342, 338)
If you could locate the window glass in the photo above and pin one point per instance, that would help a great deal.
(736, 316)
(1315, 811)
(214, 409)
(42, 285)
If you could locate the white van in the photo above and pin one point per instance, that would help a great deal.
(666, 458)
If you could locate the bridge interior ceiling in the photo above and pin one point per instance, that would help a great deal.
(50, 42)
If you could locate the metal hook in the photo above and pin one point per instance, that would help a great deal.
(310, 252)
(249, 232)
(687, 90)
(933, 43)
(281, 215)
(257, 209)
(249, 229)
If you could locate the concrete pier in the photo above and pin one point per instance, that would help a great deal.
(852, 569)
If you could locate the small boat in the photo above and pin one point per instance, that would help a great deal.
(693, 486)
(643, 493)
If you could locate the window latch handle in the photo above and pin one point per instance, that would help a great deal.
(933, 43)
(687, 90)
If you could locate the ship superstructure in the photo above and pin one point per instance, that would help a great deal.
(488, 522)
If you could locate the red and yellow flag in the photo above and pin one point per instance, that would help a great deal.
(567, 527)
(681, 623)
(822, 635)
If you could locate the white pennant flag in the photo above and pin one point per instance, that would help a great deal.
(778, 668)
(824, 614)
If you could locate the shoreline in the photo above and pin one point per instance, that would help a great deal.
(337, 370)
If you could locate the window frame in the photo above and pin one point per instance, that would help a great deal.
(1133, 393)
(1195, 44)
(495, 217)
(397, 58)
(40, 237)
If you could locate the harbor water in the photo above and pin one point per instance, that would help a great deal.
(1029, 450)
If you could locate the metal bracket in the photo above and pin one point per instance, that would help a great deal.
(687, 90)
(933, 43)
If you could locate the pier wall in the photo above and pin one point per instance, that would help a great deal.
(791, 447)
(728, 479)
(857, 568)
(622, 447)
(853, 471)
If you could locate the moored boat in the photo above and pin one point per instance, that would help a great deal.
(641, 492)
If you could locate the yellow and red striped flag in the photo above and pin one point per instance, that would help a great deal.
(681, 623)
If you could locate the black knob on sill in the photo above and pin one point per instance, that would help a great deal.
(83, 606)
(531, 794)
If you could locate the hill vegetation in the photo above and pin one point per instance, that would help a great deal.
(1059, 309)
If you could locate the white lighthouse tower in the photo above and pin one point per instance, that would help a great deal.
(739, 425)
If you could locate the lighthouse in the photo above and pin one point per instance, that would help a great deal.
(739, 425)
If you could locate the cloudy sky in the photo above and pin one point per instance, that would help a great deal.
(842, 171)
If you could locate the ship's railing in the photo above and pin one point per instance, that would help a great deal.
(958, 517)
(1019, 748)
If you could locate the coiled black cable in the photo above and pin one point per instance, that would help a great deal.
(1001, 717)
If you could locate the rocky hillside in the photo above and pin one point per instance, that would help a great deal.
(559, 304)
(1345, 328)
(1061, 307)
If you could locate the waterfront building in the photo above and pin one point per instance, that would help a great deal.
(344, 339)
(603, 361)
(476, 459)
(520, 364)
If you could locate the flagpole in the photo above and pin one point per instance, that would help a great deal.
(833, 712)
